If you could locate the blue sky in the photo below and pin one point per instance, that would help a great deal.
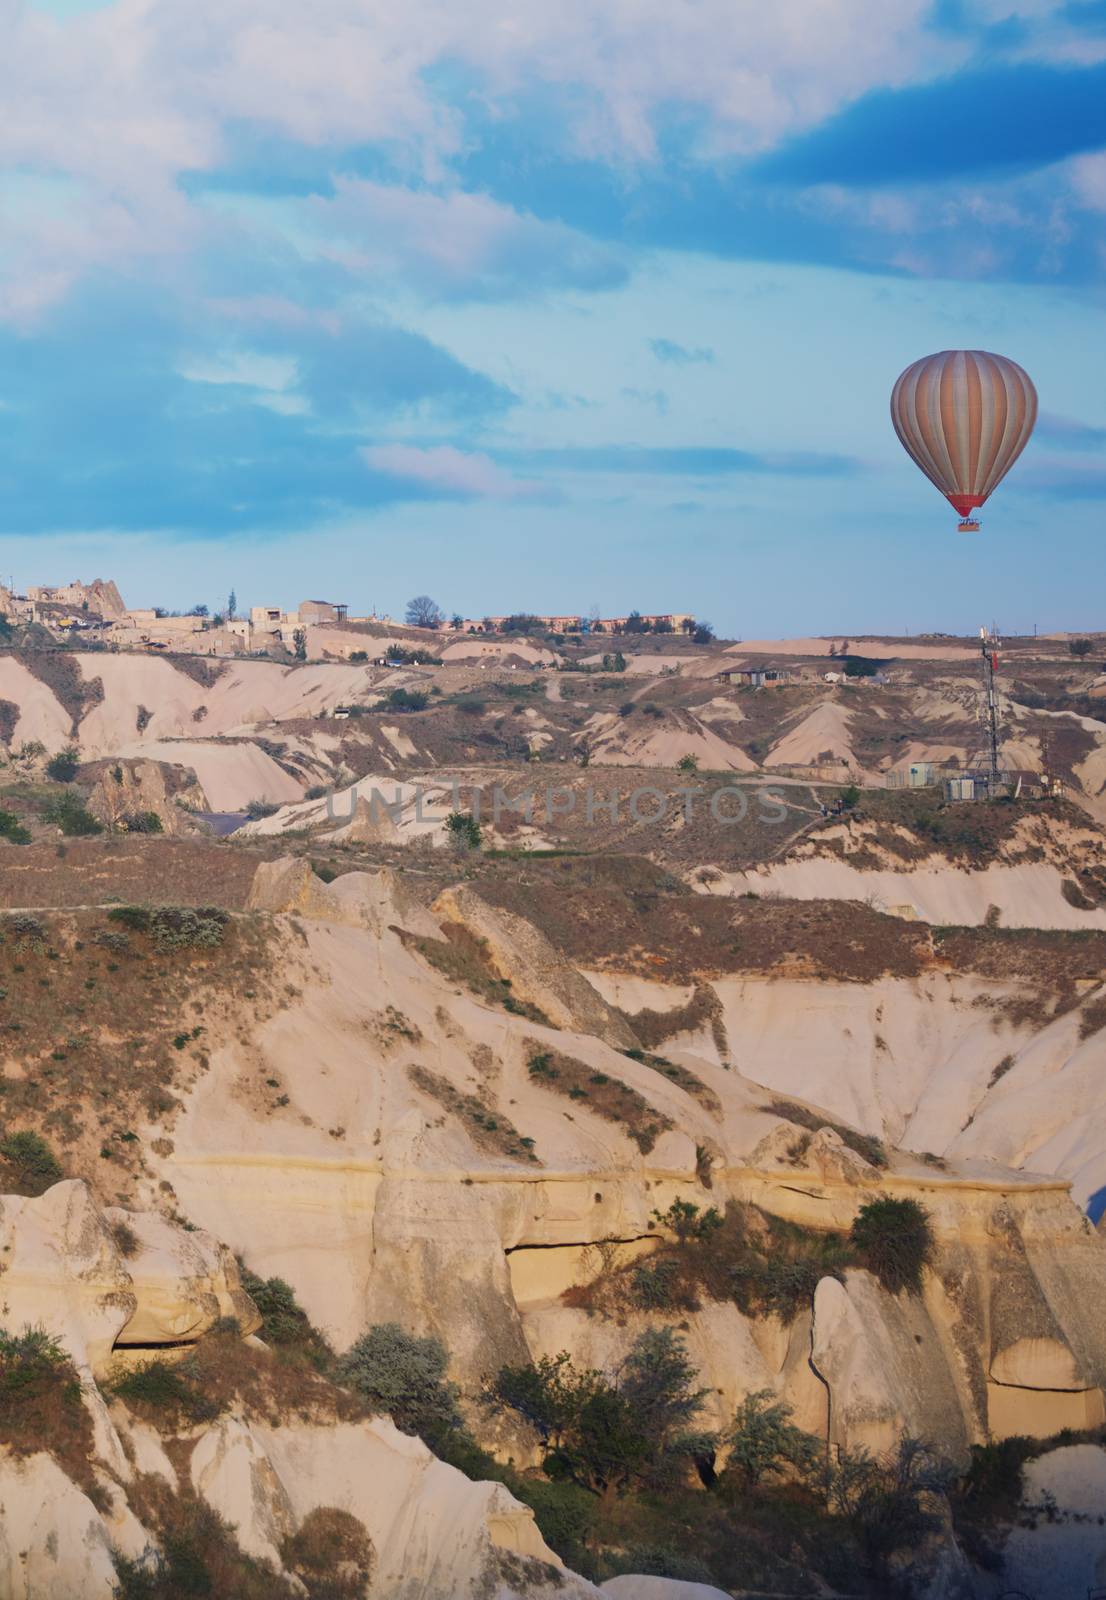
(548, 307)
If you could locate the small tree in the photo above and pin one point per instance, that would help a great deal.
(764, 1441)
(688, 763)
(634, 623)
(456, 620)
(605, 1433)
(232, 605)
(198, 611)
(1079, 647)
(895, 1242)
(850, 796)
(299, 644)
(422, 612)
(464, 830)
(703, 634)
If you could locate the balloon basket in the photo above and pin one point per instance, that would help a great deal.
(969, 525)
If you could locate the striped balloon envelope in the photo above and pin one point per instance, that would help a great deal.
(964, 417)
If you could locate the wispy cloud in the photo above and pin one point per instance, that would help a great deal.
(681, 356)
(691, 461)
(449, 471)
(1068, 434)
(678, 355)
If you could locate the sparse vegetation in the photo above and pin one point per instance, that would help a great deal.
(603, 1093)
(487, 1127)
(175, 927)
(28, 1165)
(258, 809)
(464, 958)
(40, 1402)
(865, 1145)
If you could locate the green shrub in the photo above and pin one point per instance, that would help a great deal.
(175, 927)
(284, 1322)
(30, 1163)
(69, 813)
(12, 829)
(142, 822)
(63, 767)
(404, 1376)
(256, 809)
(164, 1389)
(408, 700)
(464, 830)
(894, 1241)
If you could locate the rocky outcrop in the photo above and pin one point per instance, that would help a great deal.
(537, 973)
(126, 793)
(53, 1541)
(100, 1279)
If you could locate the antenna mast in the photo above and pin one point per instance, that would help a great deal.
(988, 646)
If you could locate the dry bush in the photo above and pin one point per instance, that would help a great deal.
(222, 1371)
(331, 1554)
(704, 1009)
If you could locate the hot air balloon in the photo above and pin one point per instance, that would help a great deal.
(964, 416)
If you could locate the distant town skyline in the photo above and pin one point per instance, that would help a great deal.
(549, 308)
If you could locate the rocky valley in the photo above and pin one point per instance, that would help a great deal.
(431, 1170)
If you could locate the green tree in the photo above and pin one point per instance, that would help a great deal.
(688, 763)
(232, 605)
(1080, 647)
(299, 643)
(422, 612)
(703, 633)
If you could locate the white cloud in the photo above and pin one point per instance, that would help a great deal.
(442, 467)
(456, 243)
